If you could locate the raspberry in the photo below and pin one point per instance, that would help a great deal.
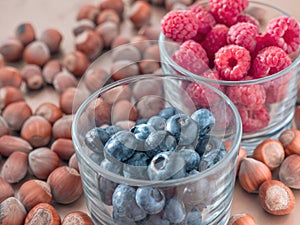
(191, 56)
(215, 39)
(243, 34)
(248, 19)
(286, 30)
(251, 96)
(179, 25)
(270, 60)
(253, 119)
(263, 41)
(232, 62)
(227, 11)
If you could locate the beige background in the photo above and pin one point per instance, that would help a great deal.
(60, 14)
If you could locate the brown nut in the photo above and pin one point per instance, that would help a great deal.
(108, 15)
(117, 5)
(241, 219)
(32, 75)
(123, 110)
(65, 184)
(62, 127)
(15, 167)
(89, 43)
(76, 62)
(12, 211)
(33, 192)
(43, 213)
(42, 161)
(147, 87)
(63, 147)
(148, 106)
(69, 100)
(16, 113)
(10, 76)
(83, 25)
(140, 42)
(73, 162)
(10, 94)
(276, 198)
(126, 52)
(25, 33)
(37, 131)
(120, 40)
(88, 11)
(100, 110)
(252, 174)
(64, 80)
(52, 38)
(10, 144)
(140, 13)
(95, 78)
(121, 92)
(49, 111)
(11, 49)
(150, 31)
(108, 31)
(152, 52)
(78, 218)
(290, 140)
(148, 66)
(6, 190)
(289, 171)
(4, 129)
(270, 152)
(36, 52)
(50, 70)
(2, 62)
(123, 69)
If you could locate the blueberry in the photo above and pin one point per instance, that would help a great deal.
(158, 141)
(193, 217)
(141, 121)
(208, 143)
(106, 189)
(138, 159)
(168, 112)
(205, 120)
(124, 204)
(152, 200)
(210, 158)
(193, 172)
(174, 211)
(141, 132)
(191, 158)
(96, 157)
(96, 138)
(111, 166)
(157, 122)
(120, 146)
(136, 166)
(153, 220)
(166, 165)
(112, 129)
(183, 128)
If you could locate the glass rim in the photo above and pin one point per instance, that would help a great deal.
(170, 62)
(164, 183)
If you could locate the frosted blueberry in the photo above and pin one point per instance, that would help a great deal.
(205, 119)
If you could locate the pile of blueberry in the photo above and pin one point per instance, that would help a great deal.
(170, 145)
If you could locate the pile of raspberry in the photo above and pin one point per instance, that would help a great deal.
(226, 40)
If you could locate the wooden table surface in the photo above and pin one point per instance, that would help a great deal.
(61, 15)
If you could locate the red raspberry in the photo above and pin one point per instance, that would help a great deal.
(191, 56)
(270, 60)
(263, 41)
(223, 115)
(251, 96)
(214, 40)
(253, 119)
(248, 19)
(243, 34)
(227, 11)
(286, 30)
(232, 62)
(179, 25)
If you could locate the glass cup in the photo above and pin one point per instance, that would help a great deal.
(277, 112)
(206, 195)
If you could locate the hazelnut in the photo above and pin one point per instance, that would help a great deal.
(4, 129)
(289, 171)
(63, 147)
(12, 211)
(148, 106)
(64, 80)
(11, 49)
(37, 131)
(241, 219)
(10, 144)
(10, 94)
(50, 70)
(290, 139)
(62, 127)
(2, 62)
(151, 32)
(52, 38)
(43, 213)
(297, 112)
(108, 15)
(88, 11)
(6, 190)
(42, 161)
(276, 198)
(36, 52)
(15, 167)
(100, 110)
(117, 5)
(121, 92)
(76, 63)
(32, 75)
(152, 52)
(140, 13)
(124, 68)
(252, 174)
(77, 217)
(140, 42)
(108, 31)
(16, 113)
(126, 52)
(65, 184)
(95, 78)
(33, 192)
(73, 162)
(119, 40)
(270, 152)
(83, 25)
(123, 110)
(66, 100)
(89, 43)
(10, 76)
(125, 124)
(49, 111)
(25, 33)
(147, 87)
(148, 66)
